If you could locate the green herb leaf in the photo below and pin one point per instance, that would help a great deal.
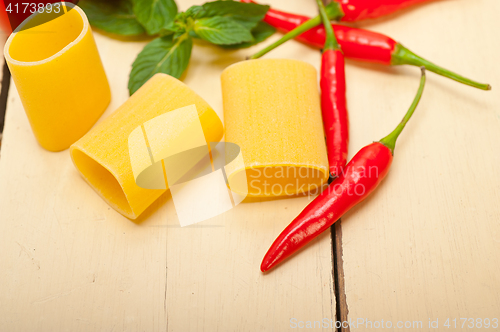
(194, 11)
(162, 55)
(114, 16)
(260, 33)
(155, 15)
(246, 14)
(221, 31)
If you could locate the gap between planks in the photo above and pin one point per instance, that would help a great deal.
(341, 308)
(4, 92)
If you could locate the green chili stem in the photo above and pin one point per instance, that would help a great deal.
(403, 56)
(390, 140)
(333, 11)
(330, 41)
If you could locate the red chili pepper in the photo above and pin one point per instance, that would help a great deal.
(333, 99)
(357, 44)
(4, 20)
(334, 110)
(357, 10)
(361, 176)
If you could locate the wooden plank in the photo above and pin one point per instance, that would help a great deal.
(72, 263)
(426, 244)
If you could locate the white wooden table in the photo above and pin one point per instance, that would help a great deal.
(425, 246)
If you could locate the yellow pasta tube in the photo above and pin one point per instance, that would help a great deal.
(58, 73)
(272, 111)
(103, 156)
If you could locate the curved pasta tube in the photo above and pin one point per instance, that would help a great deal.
(58, 73)
(103, 156)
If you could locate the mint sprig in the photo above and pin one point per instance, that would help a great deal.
(221, 30)
(155, 15)
(162, 55)
(261, 32)
(116, 17)
(247, 15)
(229, 24)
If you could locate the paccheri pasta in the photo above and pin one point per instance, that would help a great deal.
(57, 71)
(272, 111)
(102, 155)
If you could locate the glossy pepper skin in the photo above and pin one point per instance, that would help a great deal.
(357, 44)
(333, 98)
(334, 109)
(359, 179)
(362, 175)
(357, 10)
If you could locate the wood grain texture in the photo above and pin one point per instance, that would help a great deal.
(427, 243)
(71, 263)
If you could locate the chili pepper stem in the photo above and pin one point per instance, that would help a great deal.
(403, 56)
(330, 41)
(334, 12)
(390, 140)
(290, 35)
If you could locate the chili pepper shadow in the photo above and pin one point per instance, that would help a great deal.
(436, 80)
(367, 200)
(376, 67)
(471, 102)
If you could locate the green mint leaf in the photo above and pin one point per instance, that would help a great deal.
(162, 55)
(155, 15)
(178, 26)
(193, 34)
(115, 16)
(260, 33)
(221, 31)
(194, 11)
(246, 14)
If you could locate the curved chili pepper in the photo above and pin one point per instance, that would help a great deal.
(357, 44)
(361, 177)
(333, 99)
(357, 10)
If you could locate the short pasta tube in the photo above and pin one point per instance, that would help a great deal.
(272, 111)
(112, 156)
(58, 73)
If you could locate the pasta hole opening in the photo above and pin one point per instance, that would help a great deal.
(102, 181)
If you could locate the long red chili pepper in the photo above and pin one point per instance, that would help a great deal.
(333, 99)
(357, 44)
(357, 10)
(361, 176)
